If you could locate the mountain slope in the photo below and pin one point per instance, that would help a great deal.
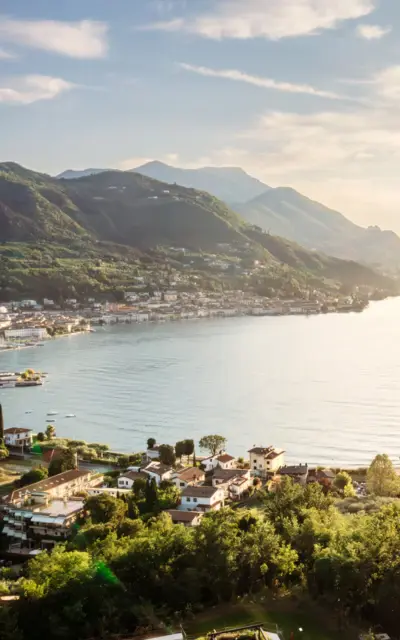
(72, 174)
(230, 184)
(125, 208)
(285, 212)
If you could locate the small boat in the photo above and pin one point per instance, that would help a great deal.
(50, 420)
(7, 385)
(52, 413)
(70, 415)
(30, 411)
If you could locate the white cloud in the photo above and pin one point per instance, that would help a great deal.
(372, 31)
(6, 55)
(258, 81)
(85, 39)
(273, 19)
(33, 88)
(387, 84)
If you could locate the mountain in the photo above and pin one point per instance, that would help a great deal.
(71, 174)
(130, 211)
(285, 212)
(230, 184)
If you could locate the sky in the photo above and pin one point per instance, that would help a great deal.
(301, 93)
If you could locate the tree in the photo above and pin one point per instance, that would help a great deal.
(50, 432)
(4, 452)
(188, 447)
(105, 508)
(381, 477)
(139, 488)
(63, 461)
(213, 443)
(150, 443)
(40, 437)
(167, 454)
(34, 475)
(180, 449)
(344, 483)
(151, 495)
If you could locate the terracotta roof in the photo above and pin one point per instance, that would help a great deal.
(225, 457)
(274, 454)
(158, 468)
(133, 475)
(261, 450)
(47, 484)
(193, 473)
(199, 492)
(294, 470)
(184, 516)
(228, 474)
(14, 430)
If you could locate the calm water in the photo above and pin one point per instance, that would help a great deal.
(325, 388)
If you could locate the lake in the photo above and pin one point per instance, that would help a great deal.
(325, 388)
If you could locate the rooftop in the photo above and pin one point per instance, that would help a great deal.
(294, 470)
(260, 451)
(228, 474)
(192, 473)
(134, 475)
(183, 516)
(199, 492)
(15, 430)
(158, 468)
(225, 457)
(47, 484)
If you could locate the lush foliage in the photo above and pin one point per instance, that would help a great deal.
(382, 479)
(167, 454)
(213, 443)
(34, 475)
(63, 460)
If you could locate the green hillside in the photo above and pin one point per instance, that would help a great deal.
(97, 231)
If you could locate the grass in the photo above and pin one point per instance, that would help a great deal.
(287, 615)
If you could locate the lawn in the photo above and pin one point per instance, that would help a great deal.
(287, 616)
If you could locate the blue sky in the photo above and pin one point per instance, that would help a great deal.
(298, 92)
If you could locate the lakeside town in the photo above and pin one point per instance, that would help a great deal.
(29, 322)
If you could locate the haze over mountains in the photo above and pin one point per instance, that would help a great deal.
(281, 211)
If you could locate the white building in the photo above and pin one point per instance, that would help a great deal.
(187, 518)
(27, 332)
(201, 498)
(61, 486)
(158, 471)
(126, 480)
(264, 460)
(111, 491)
(188, 477)
(221, 459)
(170, 296)
(17, 437)
(153, 453)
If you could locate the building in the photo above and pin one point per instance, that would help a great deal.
(188, 477)
(187, 518)
(27, 332)
(61, 486)
(18, 437)
(39, 523)
(201, 498)
(158, 471)
(221, 459)
(153, 453)
(298, 473)
(111, 491)
(265, 460)
(170, 296)
(126, 480)
(225, 478)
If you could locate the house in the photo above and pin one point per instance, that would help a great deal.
(111, 491)
(153, 453)
(221, 459)
(170, 296)
(323, 476)
(187, 518)
(127, 479)
(226, 478)
(265, 460)
(40, 524)
(158, 471)
(298, 473)
(18, 437)
(27, 332)
(61, 486)
(201, 498)
(190, 476)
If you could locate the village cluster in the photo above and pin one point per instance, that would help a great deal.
(39, 515)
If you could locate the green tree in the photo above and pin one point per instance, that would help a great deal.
(151, 495)
(344, 483)
(180, 449)
(188, 447)
(34, 475)
(105, 508)
(63, 461)
(50, 432)
(4, 452)
(150, 443)
(381, 477)
(213, 443)
(167, 454)
(139, 488)
(40, 437)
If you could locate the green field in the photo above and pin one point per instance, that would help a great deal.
(287, 616)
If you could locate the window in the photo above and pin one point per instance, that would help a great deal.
(194, 499)
(187, 499)
(182, 484)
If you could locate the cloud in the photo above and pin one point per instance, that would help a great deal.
(33, 88)
(273, 19)
(6, 55)
(372, 32)
(258, 81)
(387, 84)
(85, 39)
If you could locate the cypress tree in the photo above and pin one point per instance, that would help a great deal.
(1, 425)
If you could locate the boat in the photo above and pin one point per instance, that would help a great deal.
(8, 384)
(52, 413)
(30, 411)
(70, 415)
(28, 383)
(50, 420)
